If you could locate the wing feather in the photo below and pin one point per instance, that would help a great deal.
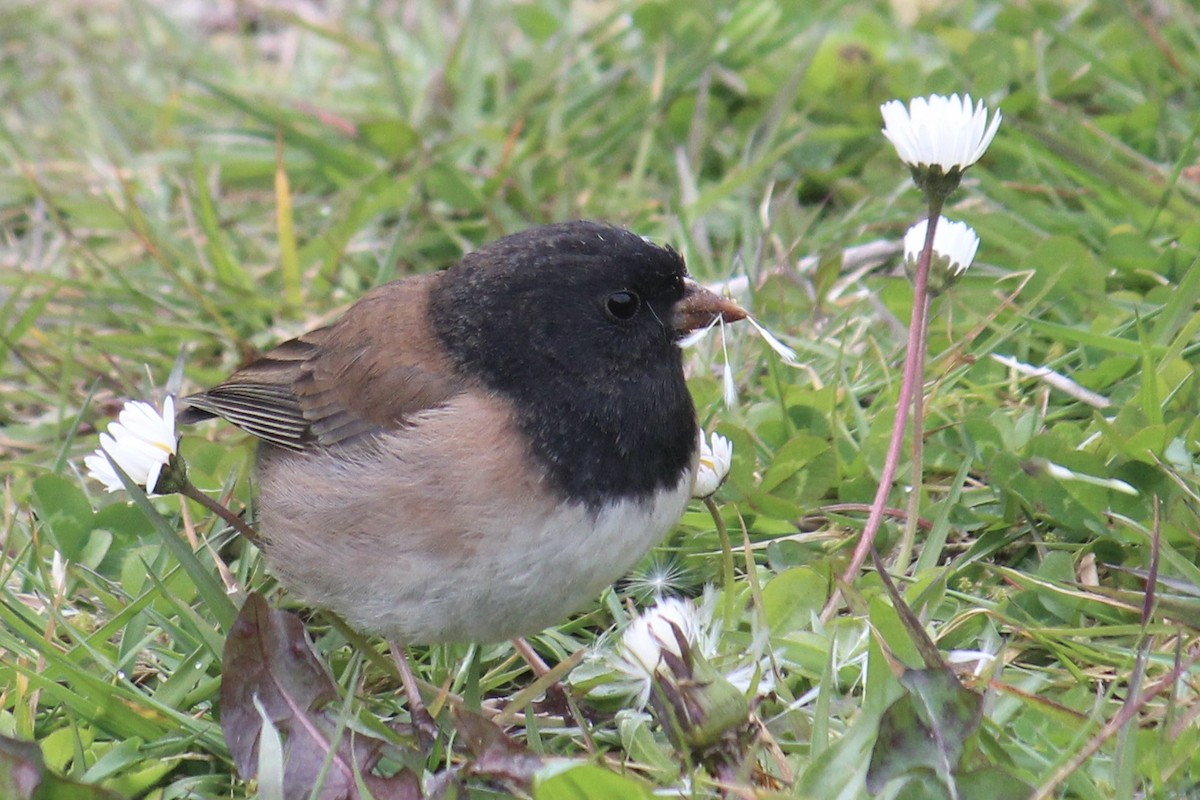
(372, 370)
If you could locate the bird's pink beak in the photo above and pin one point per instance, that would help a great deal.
(699, 308)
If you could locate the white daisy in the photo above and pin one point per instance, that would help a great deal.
(945, 132)
(141, 441)
(954, 245)
(714, 465)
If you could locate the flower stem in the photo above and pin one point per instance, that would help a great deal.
(908, 537)
(909, 387)
(190, 491)
(726, 556)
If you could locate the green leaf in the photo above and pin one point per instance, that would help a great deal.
(393, 138)
(575, 780)
(791, 597)
(128, 525)
(991, 783)
(535, 21)
(1151, 402)
(65, 510)
(1179, 311)
(448, 183)
(838, 773)
(923, 784)
(1111, 344)
(216, 245)
(95, 549)
(207, 586)
(638, 741)
(926, 728)
(794, 456)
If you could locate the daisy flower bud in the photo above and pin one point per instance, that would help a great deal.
(714, 465)
(954, 248)
(939, 137)
(142, 442)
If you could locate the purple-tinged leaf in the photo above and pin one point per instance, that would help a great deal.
(927, 728)
(24, 776)
(496, 755)
(270, 671)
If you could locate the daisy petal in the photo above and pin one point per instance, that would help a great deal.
(715, 459)
(946, 132)
(141, 442)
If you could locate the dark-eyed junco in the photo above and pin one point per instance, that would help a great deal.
(473, 454)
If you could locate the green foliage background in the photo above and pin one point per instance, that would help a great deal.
(143, 214)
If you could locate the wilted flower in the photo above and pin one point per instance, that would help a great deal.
(698, 708)
(979, 660)
(142, 441)
(695, 336)
(714, 465)
(663, 575)
(1061, 473)
(728, 383)
(781, 349)
(658, 629)
(954, 247)
(939, 137)
(58, 575)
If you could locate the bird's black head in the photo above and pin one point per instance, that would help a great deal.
(576, 323)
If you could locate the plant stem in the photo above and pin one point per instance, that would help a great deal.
(1128, 712)
(190, 491)
(726, 556)
(913, 361)
(908, 537)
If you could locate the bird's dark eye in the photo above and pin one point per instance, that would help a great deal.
(622, 305)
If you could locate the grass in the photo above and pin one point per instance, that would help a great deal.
(176, 179)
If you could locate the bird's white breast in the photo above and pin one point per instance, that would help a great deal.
(536, 573)
(428, 546)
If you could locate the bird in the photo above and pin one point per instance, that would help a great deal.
(474, 454)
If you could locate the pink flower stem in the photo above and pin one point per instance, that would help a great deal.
(908, 537)
(910, 382)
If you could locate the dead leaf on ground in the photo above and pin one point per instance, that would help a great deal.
(268, 657)
(496, 755)
(24, 776)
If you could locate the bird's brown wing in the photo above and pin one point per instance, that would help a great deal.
(260, 398)
(372, 370)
